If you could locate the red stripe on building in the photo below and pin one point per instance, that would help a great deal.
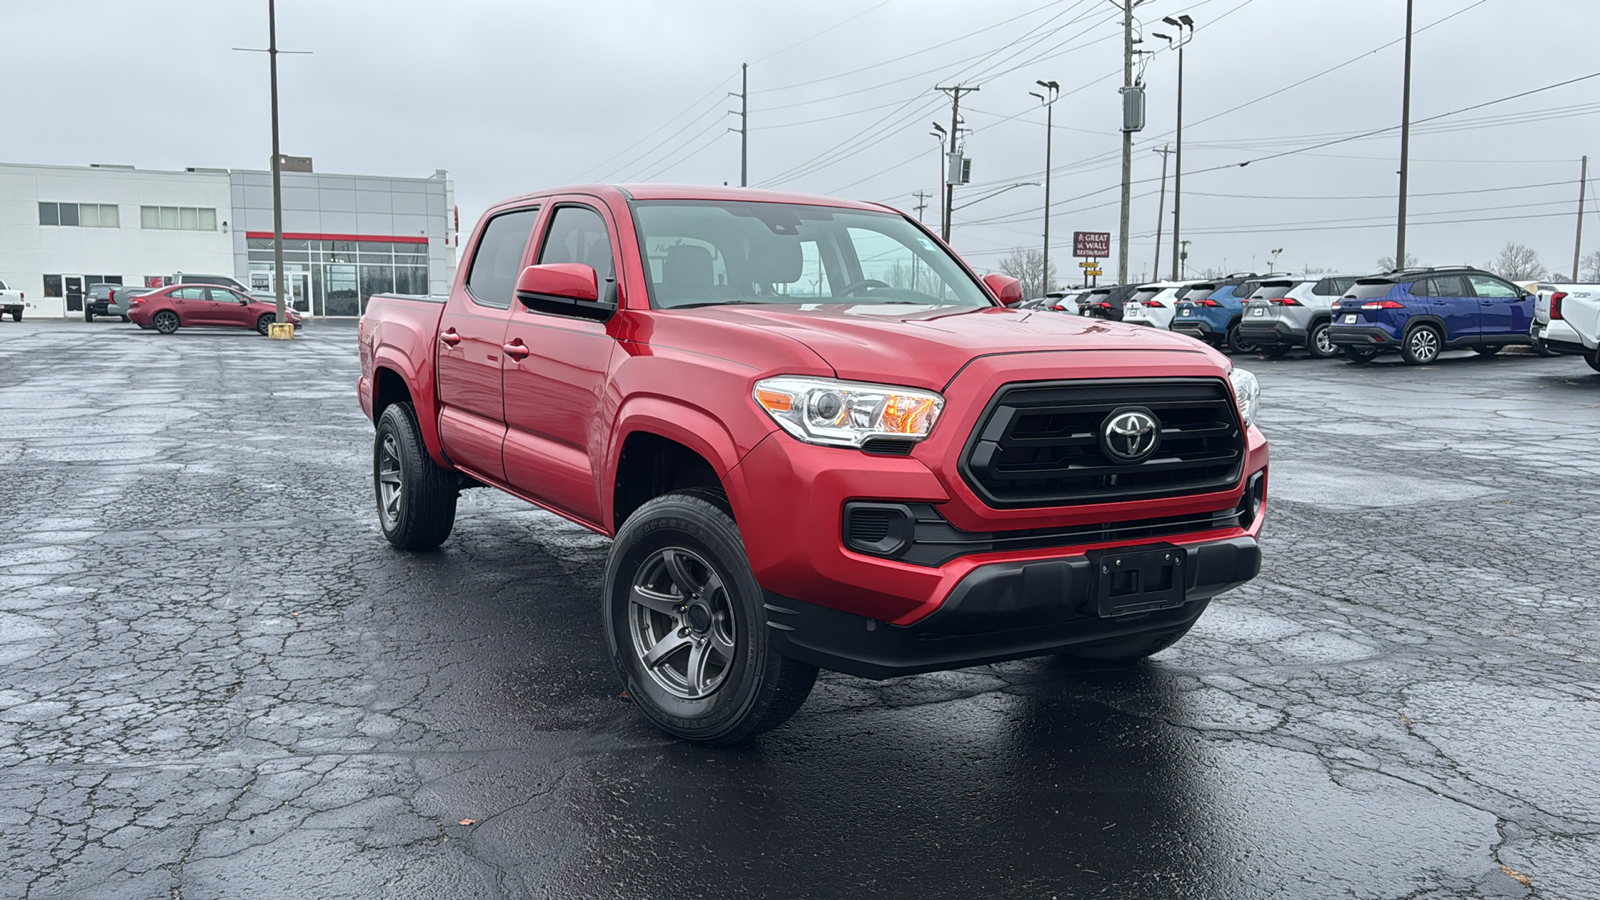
(302, 236)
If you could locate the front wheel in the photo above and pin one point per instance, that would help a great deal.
(1421, 346)
(1359, 354)
(165, 321)
(686, 624)
(416, 496)
(264, 324)
(1320, 343)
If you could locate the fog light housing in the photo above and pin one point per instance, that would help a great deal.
(878, 529)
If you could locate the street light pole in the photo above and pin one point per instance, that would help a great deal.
(939, 133)
(1049, 130)
(1181, 22)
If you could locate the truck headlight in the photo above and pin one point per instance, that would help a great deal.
(1248, 393)
(847, 413)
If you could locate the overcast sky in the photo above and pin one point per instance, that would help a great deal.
(513, 96)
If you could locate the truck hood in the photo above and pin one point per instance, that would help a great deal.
(920, 346)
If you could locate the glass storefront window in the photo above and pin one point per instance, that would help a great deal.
(375, 280)
(340, 299)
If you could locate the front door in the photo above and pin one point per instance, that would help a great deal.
(228, 308)
(555, 376)
(472, 424)
(1501, 306)
(72, 290)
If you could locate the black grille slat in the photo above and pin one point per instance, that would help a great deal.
(937, 542)
(869, 526)
(1039, 444)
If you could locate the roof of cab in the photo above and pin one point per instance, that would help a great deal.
(707, 192)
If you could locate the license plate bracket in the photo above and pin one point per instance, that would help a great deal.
(1128, 582)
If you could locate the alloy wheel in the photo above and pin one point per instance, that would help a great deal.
(1324, 343)
(390, 490)
(1424, 345)
(680, 619)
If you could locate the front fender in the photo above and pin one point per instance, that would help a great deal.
(677, 421)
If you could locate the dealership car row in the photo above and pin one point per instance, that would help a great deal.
(1416, 312)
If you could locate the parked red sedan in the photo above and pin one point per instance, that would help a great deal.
(168, 309)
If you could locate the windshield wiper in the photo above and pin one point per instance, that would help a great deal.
(717, 303)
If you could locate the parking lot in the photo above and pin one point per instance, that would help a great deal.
(217, 680)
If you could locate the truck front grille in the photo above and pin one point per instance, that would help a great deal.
(1039, 444)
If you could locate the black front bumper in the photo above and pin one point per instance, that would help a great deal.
(998, 612)
(1278, 333)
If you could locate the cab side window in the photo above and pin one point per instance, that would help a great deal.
(1493, 288)
(189, 293)
(497, 261)
(222, 295)
(577, 234)
(1448, 286)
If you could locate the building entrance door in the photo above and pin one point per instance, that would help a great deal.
(296, 288)
(72, 289)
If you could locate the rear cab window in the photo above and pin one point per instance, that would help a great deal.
(497, 260)
(1272, 290)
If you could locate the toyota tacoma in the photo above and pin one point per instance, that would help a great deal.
(817, 439)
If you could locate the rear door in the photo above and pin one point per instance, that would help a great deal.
(192, 306)
(555, 372)
(1452, 300)
(472, 332)
(1502, 308)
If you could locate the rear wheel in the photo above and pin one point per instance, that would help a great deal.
(416, 496)
(264, 324)
(686, 624)
(1421, 345)
(1486, 349)
(16, 316)
(1236, 342)
(165, 321)
(1358, 354)
(1319, 342)
(1593, 358)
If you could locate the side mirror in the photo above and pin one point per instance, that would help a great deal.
(1006, 289)
(564, 289)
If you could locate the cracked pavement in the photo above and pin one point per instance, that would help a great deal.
(217, 680)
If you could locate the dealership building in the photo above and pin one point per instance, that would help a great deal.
(346, 237)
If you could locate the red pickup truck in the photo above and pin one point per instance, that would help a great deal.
(817, 438)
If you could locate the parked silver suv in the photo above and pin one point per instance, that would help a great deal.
(1289, 311)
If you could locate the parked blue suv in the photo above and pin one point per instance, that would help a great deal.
(1211, 312)
(1423, 312)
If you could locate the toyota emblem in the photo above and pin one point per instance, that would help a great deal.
(1130, 435)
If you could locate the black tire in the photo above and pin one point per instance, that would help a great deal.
(1277, 351)
(165, 321)
(756, 688)
(1235, 342)
(421, 511)
(126, 320)
(264, 324)
(1422, 345)
(88, 316)
(16, 316)
(1358, 354)
(1318, 344)
(1486, 349)
(1129, 650)
(1593, 359)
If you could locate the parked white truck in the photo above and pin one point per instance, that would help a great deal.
(10, 303)
(1566, 319)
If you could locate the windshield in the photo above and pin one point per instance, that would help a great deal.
(713, 252)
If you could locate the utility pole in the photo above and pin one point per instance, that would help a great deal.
(272, 52)
(1161, 206)
(1183, 257)
(955, 125)
(1180, 23)
(1127, 133)
(922, 202)
(1049, 130)
(1405, 147)
(1577, 247)
(744, 123)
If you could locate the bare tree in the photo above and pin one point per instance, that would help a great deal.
(1517, 262)
(1386, 263)
(1027, 266)
(1590, 268)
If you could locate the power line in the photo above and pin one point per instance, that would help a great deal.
(653, 132)
(824, 31)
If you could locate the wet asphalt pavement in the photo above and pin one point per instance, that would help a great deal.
(217, 681)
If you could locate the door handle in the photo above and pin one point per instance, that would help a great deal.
(516, 350)
(450, 337)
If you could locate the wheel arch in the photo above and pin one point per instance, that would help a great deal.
(395, 380)
(662, 446)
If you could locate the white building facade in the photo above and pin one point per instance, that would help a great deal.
(346, 237)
